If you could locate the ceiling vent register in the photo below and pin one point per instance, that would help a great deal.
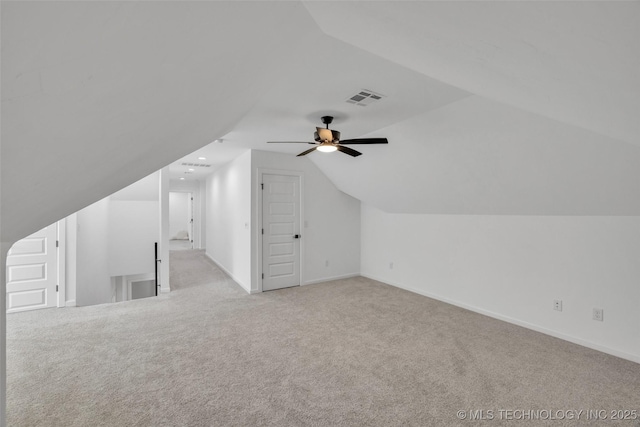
(365, 97)
(197, 165)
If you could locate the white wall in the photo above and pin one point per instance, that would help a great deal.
(179, 214)
(513, 267)
(228, 219)
(113, 237)
(133, 231)
(4, 249)
(71, 268)
(92, 275)
(134, 215)
(143, 189)
(331, 223)
(164, 266)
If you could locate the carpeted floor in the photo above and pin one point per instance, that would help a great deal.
(180, 245)
(345, 353)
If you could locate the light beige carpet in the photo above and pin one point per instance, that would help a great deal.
(346, 353)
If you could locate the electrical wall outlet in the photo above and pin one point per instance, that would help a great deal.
(557, 304)
(390, 266)
(598, 314)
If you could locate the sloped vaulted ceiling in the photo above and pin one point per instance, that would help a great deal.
(575, 62)
(96, 95)
(507, 108)
(552, 126)
(490, 107)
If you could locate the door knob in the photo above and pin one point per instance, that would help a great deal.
(297, 236)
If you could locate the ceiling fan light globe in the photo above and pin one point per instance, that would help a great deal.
(327, 148)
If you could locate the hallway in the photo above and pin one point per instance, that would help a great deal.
(189, 268)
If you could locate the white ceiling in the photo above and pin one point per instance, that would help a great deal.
(576, 62)
(321, 75)
(97, 95)
(490, 107)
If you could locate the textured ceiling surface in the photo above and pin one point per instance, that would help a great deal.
(524, 108)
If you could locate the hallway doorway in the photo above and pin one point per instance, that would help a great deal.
(180, 221)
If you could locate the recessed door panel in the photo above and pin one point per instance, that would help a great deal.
(29, 246)
(36, 298)
(281, 229)
(281, 208)
(26, 273)
(282, 269)
(281, 249)
(281, 188)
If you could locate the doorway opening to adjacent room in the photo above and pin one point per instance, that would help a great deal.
(180, 220)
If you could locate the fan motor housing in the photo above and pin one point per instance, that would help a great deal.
(334, 134)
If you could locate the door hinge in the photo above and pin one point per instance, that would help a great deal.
(56, 288)
(263, 231)
(57, 243)
(263, 275)
(262, 186)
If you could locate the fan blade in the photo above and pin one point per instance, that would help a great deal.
(289, 142)
(349, 151)
(365, 141)
(304, 153)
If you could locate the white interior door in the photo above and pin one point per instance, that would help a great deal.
(280, 231)
(32, 271)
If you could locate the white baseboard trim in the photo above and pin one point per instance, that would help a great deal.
(164, 290)
(532, 326)
(70, 303)
(328, 279)
(235, 279)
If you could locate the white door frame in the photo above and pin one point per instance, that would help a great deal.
(258, 221)
(62, 262)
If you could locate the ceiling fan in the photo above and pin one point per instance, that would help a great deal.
(328, 140)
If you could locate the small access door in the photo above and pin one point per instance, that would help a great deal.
(32, 271)
(281, 231)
